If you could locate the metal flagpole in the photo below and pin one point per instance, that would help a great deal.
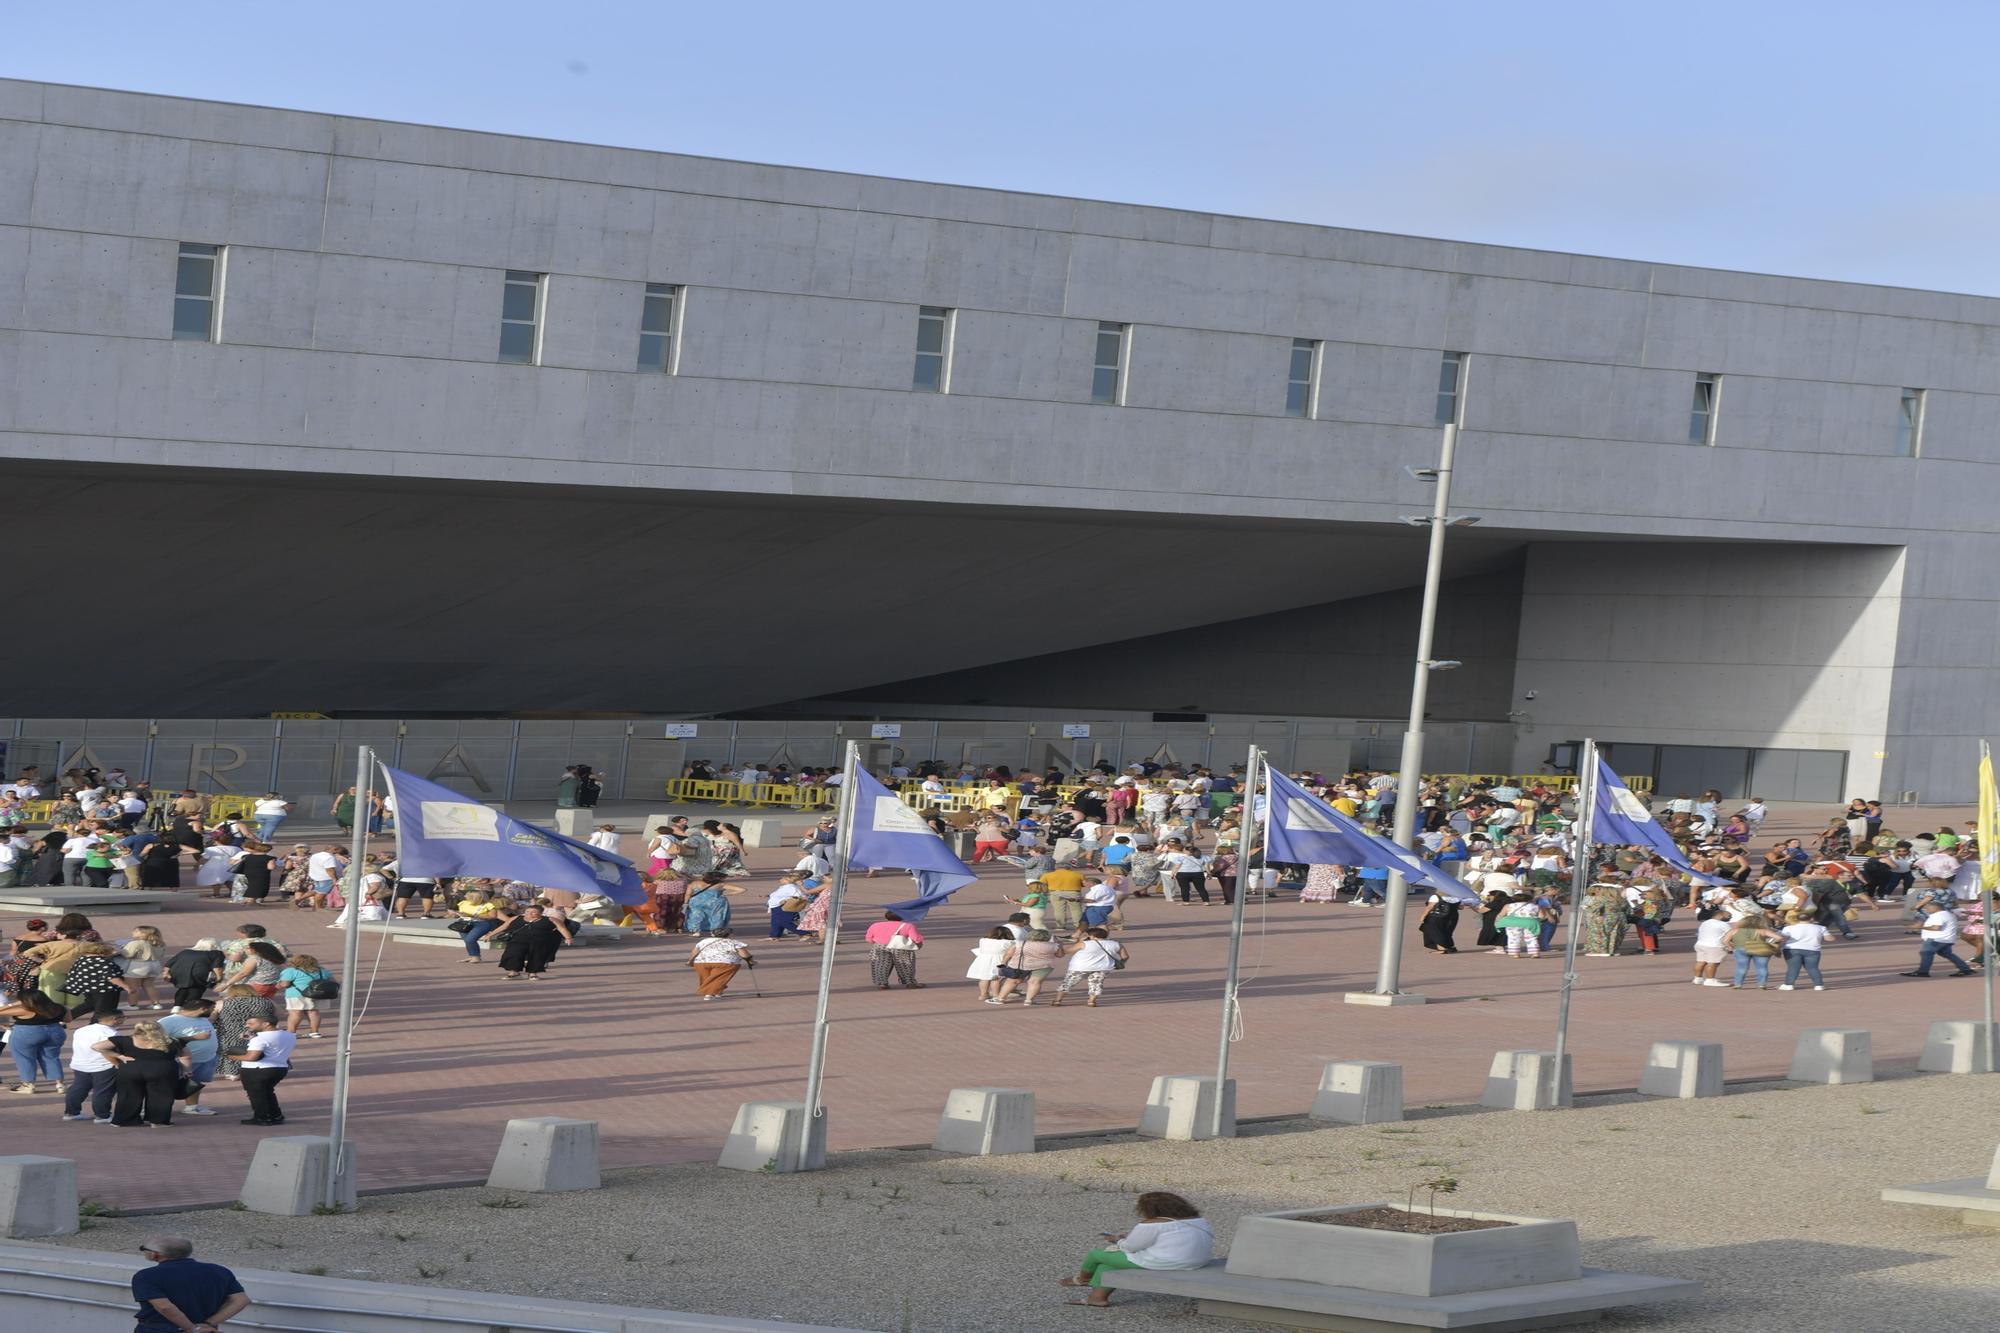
(1409, 783)
(1243, 843)
(1579, 881)
(350, 963)
(1988, 856)
(843, 837)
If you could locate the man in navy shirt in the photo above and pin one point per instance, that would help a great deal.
(179, 1293)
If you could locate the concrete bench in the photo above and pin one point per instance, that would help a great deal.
(57, 899)
(419, 931)
(1309, 1305)
(1977, 1201)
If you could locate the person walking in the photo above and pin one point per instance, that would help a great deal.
(532, 940)
(1030, 962)
(301, 977)
(240, 1007)
(1755, 945)
(1805, 938)
(269, 812)
(708, 906)
(35, 1039)
(1439, 923)
(193, 970)
(988, 956)
(1095, 958)
(191, 1025)
(146, 1073)
(893, 948)
(265, 1060)
(180, 1295)
(90, 1072)
(716, 959)
(1940, 931)
(1521, 921)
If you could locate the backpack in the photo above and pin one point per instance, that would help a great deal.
(322, 987)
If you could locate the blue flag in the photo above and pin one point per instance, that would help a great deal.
(888, 835)
(440, 832)
(1621, 819)
(1307, 831)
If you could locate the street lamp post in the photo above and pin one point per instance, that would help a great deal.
(1410, 782)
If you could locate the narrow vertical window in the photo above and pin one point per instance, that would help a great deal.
(521, 319)
(1910, 424)
(1107, 381)
(656, 328)
(1302, 388)
(1701, 417)
(197, 293)
(1451, 385)
(933, 372)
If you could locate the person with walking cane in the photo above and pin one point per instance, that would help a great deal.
(715, 960)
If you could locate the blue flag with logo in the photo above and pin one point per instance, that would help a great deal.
(1307, 831)
(888, 835)
(440, 832)
(1621, 819)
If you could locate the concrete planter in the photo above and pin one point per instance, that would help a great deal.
(1534, 1250)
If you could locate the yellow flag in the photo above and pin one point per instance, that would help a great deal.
(1989, 823)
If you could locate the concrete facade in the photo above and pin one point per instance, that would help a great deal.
(787, 475)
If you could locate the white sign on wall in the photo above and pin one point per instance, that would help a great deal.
(886, 731)
(1076, 731)
(682, 731)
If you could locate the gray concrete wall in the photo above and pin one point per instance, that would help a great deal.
(359, 339)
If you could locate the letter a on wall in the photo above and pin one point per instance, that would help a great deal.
(456, 763)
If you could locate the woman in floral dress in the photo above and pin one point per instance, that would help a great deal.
(1322, 884)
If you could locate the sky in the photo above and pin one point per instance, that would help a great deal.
(1825, 139)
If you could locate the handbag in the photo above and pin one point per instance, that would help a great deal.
(899, 941)
(322, 987)
(458, 925)
(794, 904)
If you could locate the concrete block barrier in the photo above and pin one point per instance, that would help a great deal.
(1528, 1081)
(1834, 1055)
(1182, 1106)
(287, 1177)
(546, 1153)
(1959, 1046)
(775, 1136)
(37, 1196)
(1682, 1069)
(1359, 1092)
(987, 1122)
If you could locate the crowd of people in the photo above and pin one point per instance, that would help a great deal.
(136, 1056)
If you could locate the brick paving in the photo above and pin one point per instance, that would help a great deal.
(448, 1052)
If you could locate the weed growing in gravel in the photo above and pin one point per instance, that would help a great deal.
(504, 1201)
(1743, 1115)
(1866, 1109)
(401, 1235)
(312, 1270)
(1370, 1154)
(95, 1208)
(1616, 1129)
(1394, 1130)
(1109, 1163)
(322, 1210)
(631, 1256)
(238, 1207)
(426, 1271)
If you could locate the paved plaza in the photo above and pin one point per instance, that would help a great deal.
(447, 1052)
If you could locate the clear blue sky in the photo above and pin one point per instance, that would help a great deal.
(1830, 139)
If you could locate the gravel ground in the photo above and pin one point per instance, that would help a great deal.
(1767, 1195)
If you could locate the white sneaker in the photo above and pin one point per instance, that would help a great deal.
(1788, 988)
(1711, 981)
(196, 1110)
(1819, 988)
(1697, 981)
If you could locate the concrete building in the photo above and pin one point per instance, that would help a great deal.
(308, 412)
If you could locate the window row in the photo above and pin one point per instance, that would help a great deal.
(198, 298)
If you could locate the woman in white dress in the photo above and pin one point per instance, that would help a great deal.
(987, 955)
(213, 870)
